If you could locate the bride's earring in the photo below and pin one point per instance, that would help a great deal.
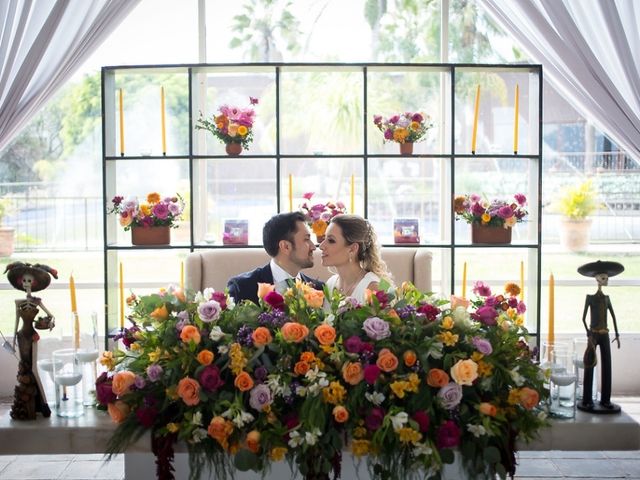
(350, 257)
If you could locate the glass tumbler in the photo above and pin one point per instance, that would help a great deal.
(562, 385)
(67, 377)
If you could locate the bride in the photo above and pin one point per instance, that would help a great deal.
(351, 248)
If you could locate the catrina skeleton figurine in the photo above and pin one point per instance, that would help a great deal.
(29, 396)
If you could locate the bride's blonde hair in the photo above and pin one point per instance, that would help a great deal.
(356, 229)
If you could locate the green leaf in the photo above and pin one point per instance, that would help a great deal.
(491, 455)
(245, 460)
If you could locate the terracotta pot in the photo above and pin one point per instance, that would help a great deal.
(233, 149)
(575, 234)
(150, 235)
(490, 234)
(7, 237)
(406, 148)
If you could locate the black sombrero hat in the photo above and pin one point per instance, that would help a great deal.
(594, 268)
(41, 273)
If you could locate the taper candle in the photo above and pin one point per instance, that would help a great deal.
(121, 297)
(76, 330)
(290, 193)
(182, 276)
(515, 120)
(72, 291)
(352, 197)
(551, 309)
(74, 312)
(476, 110)
(464, 280)
(163, 120)
(121, 95)
(521, 280)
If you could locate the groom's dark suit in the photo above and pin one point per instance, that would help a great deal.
(245, 285)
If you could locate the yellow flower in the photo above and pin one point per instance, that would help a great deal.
(448, 338)
(242, 130)
(414, 382)
(173, 427)
(484, 369)
(414, 126)
(486, 218)
(155, 355)
(398, 388)
(447, 323)
(359, 432)
(319, 227)
(107, 360)
(514, 397)
(409, 435)
(277, 454)
(359, 448)
(519, 320)
(334, 393)
(135, 346)
(238, 360)
(233, 129)
(153, 198)
(477, 356)
(145, 208)
(400, 134)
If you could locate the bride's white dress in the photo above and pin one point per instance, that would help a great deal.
(358, 291)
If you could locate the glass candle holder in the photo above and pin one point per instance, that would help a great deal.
(67, 377)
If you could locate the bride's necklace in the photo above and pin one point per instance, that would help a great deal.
(348, 288)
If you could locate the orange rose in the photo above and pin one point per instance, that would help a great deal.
(437, 378)
(261, 336)
(340, 414)
(458, 203)
(319, 227)
(410, 358)
(264, 288)
(314, 298)
(220, 429)
(118, 411)
(160, 313)
(325, 334)
(122, 381)
(294, 332)
(464, 372)
(253, 441)
(307, 357)
(387, 361)
(179, 294)
(488, 409)
(459, 302)
(243, 382)
(301, 368)
(529, 398)
(189, 391)
(352, 372)
(205, 357)
(393, 314)
(190, 332)
(153, 197)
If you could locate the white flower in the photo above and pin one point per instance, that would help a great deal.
(295, 439)
(301, 391)
(208, 293)
(517, 378)
(422, 449)
(330, 319)
(313, 373)
(223, 349)
(312, 437)
(461, 318)
(197, 419)
(399, 420)
(435, 350)
(376, 397)
(199, 298)
(477, 430)
(273, 382)
(216, 334)
(198, 435)
(542, 415)
(231, 303)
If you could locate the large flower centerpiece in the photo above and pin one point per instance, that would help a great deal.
(318, 215)
(153, 211)
(231, 125)
(474, 208)
(408, 127)
(402, 381)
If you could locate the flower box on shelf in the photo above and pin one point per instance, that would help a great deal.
(233, 126)
(404, 129)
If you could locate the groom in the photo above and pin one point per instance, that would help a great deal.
(288, 242)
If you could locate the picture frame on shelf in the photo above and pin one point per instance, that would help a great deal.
(406, 230)
(236, 232)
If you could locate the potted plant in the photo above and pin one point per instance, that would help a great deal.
(233, 126)
(318, 215)
(491, 221)
(7, 234)
(404, 128)
(576, 204)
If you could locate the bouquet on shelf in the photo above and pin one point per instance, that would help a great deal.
(231, 124)
(498, 213)
(155, 211)
(401, 381)
(406, 127)
(318, 215)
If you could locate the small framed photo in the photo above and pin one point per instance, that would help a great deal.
(406, 230)
(236, 232)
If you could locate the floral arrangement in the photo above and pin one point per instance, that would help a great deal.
(578, 202)
(498, 213)
(400, 381)
(154, 211)
(320, 214)
(403, 128)
(231, 124)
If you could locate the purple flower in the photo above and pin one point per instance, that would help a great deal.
(260, 374)
(210, 378)
(183, 315)
(482, 345)
(104, 393)
(161, 211)
(505, 212)
(512, 302)
(481, 289)
(244, 336)
(353, 344)
(117, 200)
(450, 395)
(146, 415)
(371, 373)
(154, 372)
(139, 382)
(260, 397)
(477, 209)
(521, 199)
(388, 134)
(521, 308)
(422, 419)
(429, 311)
(448, 435)
(209, 311)
(174, 209)
(376, 328)
(373, 421)
(275, 300)
(275, 318)
(486, 315)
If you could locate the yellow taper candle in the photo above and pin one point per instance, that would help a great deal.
(182, 276)
(121, 298)
(551, 309)
(290, 193)
(76, 330)
(72, 291)
(121, 101)
(352, 205)
(464, 280)
(521, 280)
(476, 110)
(163, 122)
(515, 120)
(74, 312)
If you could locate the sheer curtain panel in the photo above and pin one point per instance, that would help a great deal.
(42, 43)
(590, 51)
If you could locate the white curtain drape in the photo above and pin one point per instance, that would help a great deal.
(42, 43)
(590, 52)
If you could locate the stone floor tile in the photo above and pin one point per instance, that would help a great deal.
(629, 467)
(23, 470)
(82, 469)
(538, 468)
(568, 454)
(585, 467)
(112, 470)
(632, 454)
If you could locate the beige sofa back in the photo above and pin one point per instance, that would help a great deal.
(212, 268)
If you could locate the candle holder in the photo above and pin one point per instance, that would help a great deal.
(87, 354)
(67, 377)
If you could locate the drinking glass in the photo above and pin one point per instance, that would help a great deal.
(87, 356)
(67, 377)
(562, 385)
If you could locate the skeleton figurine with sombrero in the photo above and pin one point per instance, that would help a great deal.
(598, 335)
(29, 395)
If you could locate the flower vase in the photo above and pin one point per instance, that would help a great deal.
(233, 149)
(490, 234)
(406, 148)
(156, 235)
